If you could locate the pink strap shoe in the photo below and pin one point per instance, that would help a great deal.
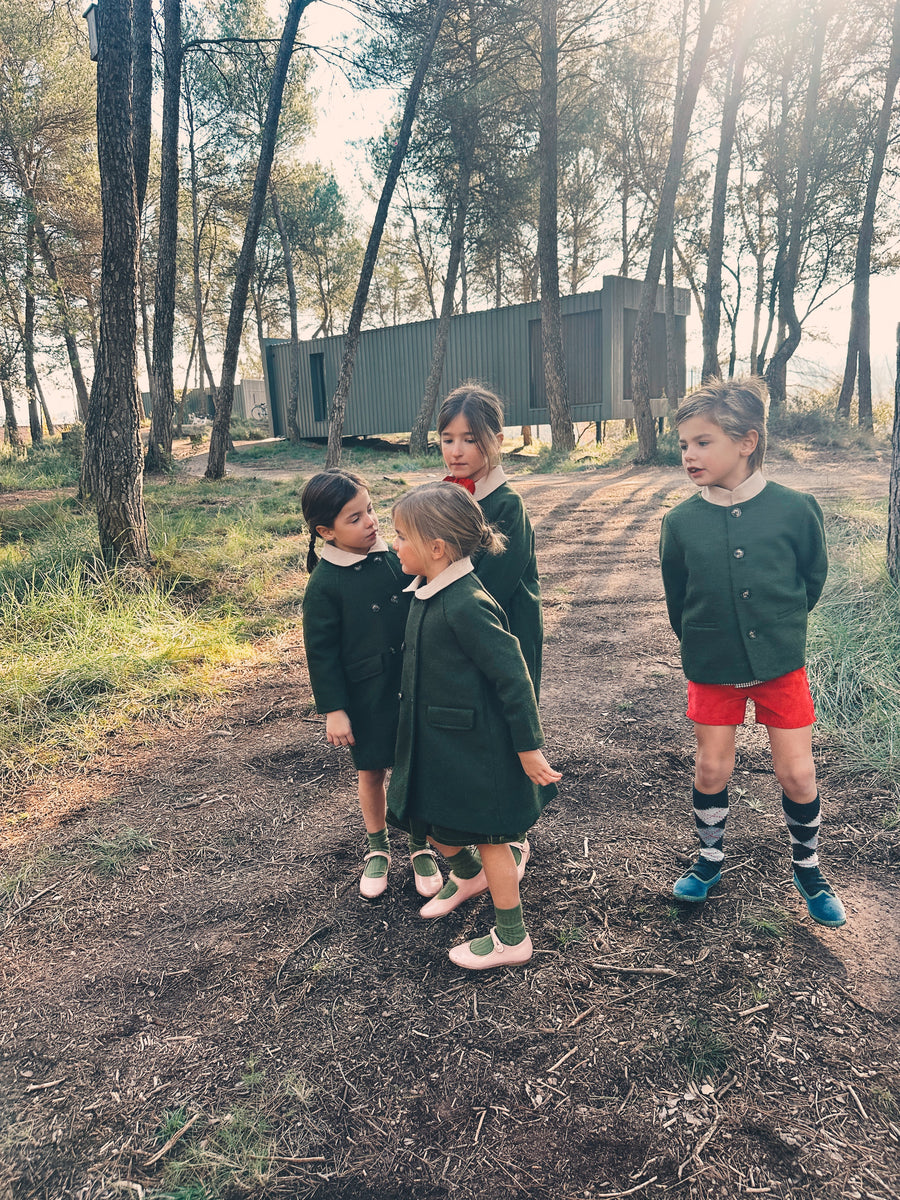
(371, 887)
(465, 890)
(501, 955)
(427, 885)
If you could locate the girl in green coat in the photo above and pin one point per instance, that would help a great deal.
(469, 767)
(470, 426)
(354, 614)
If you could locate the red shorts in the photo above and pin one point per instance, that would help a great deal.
(784, 703)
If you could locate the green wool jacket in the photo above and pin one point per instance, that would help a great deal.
(354, 615)
(512, 577)
(467, 707)
(740, 581)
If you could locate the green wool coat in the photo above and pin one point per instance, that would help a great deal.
(740, 581)
(354, 617)
(467, 707)
(512, 577)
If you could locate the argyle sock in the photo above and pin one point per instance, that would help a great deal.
(423, 865)
(510, 930)
(377, 867)
(465, 864)
(710, 815)
(803, 821)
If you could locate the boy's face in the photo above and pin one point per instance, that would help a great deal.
(713, 459)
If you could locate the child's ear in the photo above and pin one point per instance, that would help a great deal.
(325, 532)
(749, 442)
(437, 549)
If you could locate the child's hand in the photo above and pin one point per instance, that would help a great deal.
(537, 768)
(338, 730)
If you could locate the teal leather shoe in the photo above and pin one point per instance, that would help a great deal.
(821, 903)
(692, 888)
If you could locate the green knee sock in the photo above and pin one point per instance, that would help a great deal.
(510, 930)
(424, 865)
(465, 864)
(377, 867)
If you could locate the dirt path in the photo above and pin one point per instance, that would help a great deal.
(324, 1047)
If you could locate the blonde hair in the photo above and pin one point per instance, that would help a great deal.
(737, 406)
(483, 412)
(447, 512)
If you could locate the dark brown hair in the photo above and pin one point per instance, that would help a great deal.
(484, 413)
(323, 498)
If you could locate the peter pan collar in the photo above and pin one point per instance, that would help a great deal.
(494, 479)
(456, 570)
(345, 558)
(750, 487)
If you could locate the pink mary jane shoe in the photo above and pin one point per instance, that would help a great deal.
(501, 955)
(370, 888)
(465, 890)
(427, 885)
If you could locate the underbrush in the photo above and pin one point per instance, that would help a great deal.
(56, 463)
(809, 419)
(854, 647)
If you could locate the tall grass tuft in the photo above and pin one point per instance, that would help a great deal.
(854, 646)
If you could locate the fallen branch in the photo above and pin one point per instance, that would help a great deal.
(748, 1012)
(172, 1140)
(39, 1087)
(559, 1062)
(635, 970)
(640, 1187)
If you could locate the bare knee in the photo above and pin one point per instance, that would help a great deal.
(712, 772)
(797, 781)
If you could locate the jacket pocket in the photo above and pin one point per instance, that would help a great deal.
(364, 669)
(450, 718)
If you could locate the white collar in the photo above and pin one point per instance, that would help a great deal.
(494, 479)
(346, 558)
(456, 570)
(745, 490)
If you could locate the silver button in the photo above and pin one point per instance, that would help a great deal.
(739, 553)
(745, 594)
(376, 608)
(358, 567)
(736, 512)
(751, 633)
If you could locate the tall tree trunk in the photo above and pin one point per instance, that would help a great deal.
(48, 420)
(179, 416)
(141, 93)
(9, 408)
(712, 307)
(672, 388)
(294, 363)
(858, 346)
(199, 305)
(776, 372)
(893, 538)
(662, 235)
(351, 338)
(159, 446)
(562, 431)
(220, 437)
(112, 454)
(66, 323)
(145, 334)
(34, 412)
(418, 438)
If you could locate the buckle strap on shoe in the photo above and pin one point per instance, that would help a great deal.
(416, 853)
(498, 945)
(372, 853)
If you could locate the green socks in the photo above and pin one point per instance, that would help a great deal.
(510, 930)
(377, 866)
(424, 865)
(465, 864)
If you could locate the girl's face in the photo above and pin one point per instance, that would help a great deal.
(713, 459)
(411, 553)
(462, 454)
(355, 527)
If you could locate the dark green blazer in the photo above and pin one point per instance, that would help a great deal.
(467, 707)
(353, 622)
(740, 581)
(512, 577)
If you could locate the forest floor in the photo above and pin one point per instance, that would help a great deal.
(226, 1017)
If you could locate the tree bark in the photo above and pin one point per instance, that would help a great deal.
(159, 446)
(220, 437)
(562, 430)
(776, 371)
(351, 338)
(112, 453)
(34, 412)
(68, 329)
(142, 93)
(294, 363)
(9, 408)
(858, 343)
(662, 236)
(893, 538)
(712, 306)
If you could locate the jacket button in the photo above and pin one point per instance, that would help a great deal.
(739, 553)
(376, 608)
(358, 567)
(751, 633)
(736, 512)
(746, 594)
(395, 599)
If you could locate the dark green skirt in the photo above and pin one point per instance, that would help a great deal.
(421, 830)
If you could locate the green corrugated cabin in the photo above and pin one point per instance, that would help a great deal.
(501, 347)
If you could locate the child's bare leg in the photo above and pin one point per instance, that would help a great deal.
(508, 943)
(466, 879)
(373, 803)
(795, 770)
(713, 768)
